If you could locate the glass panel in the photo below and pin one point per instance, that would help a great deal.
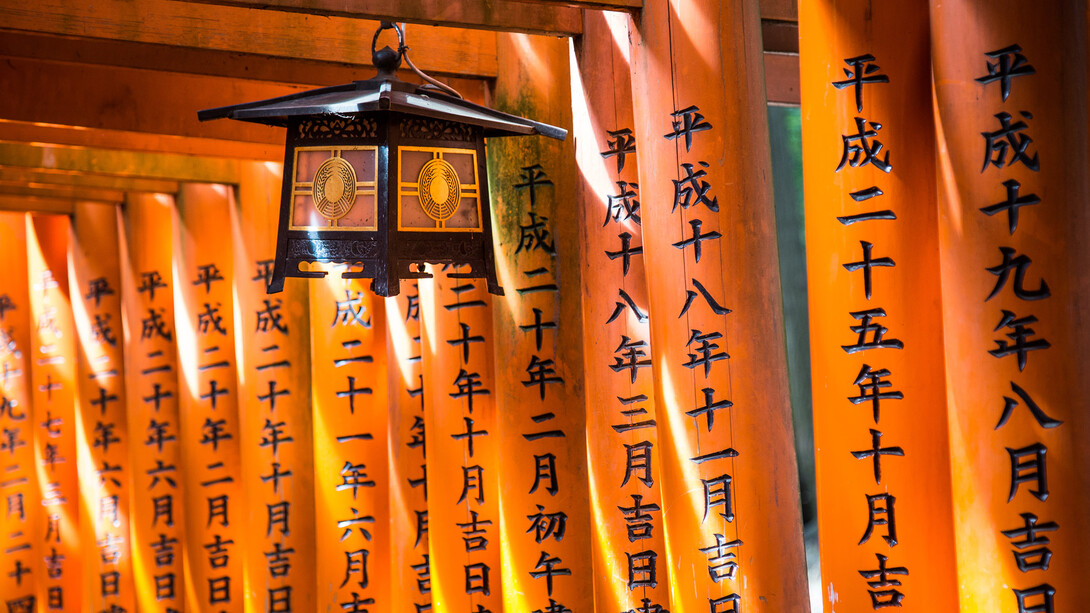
(463, 165)
(411, 163)
(363, 162)
(362, 213)
(307, 163)
(304, 214)
(413, 215)
(466, 216)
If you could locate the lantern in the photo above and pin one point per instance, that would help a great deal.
(384, 176)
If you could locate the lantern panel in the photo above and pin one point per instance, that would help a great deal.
(334, 188)
(438, 190)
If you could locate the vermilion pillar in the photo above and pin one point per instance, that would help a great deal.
(275, 407)
(53, 377)
(464, 544)
(216, 525)
(351, 477)
(103, 445)
(729, 488)
(157, 514)
(1010, 94)
(883, 477)
(409, 563)
(626, 507)
(538, 327)
(21, 511)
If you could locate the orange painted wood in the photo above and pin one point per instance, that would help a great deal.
(60, 562)
(725, 435)
(406, 440)
(157, 514)
(217, 528)
(1000, 460)
(464, 543)
(627, 513)
(274, 407)
(539, 391)
(348, 353)
(477, 14)
(155, 25)
(103, 435)
(22, 512)
(906, 513)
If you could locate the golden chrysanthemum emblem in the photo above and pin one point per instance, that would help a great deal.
(334, 188)
(439, 190)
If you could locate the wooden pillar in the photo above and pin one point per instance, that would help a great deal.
(407, 437)
(103, 445)
(217, 529)
(877, 358)
(1010, 94)
(729, 486)
(462, 452)
(274, 406)
(626, 509)
(53, 377)
(21, 513)
(539, 391)
(156, 522)
(351, 479)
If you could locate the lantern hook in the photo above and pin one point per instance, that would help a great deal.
(385, 60)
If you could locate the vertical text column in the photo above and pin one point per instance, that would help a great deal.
(625, 503)
(156, 513)
(205, 326)
(729, 484)
(1010, 94)
(538, 328)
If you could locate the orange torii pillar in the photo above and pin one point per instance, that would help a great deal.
(216, 525)
(274, 407)
(408, 525)
(729, 488)
(20, 514)
(626, 508)
(104, 441)
(1010, 94)
(351, 481)
(539, 391)
(157, 511)
(463, 469)
(53, 377)
(883, 474)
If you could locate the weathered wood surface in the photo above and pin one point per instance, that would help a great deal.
(478, 14)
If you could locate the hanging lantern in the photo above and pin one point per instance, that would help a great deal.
(384, 176)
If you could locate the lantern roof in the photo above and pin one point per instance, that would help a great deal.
(385, 92)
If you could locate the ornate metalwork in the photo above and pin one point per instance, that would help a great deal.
(440, 190)
(334, 188)
(435, 129)
(335, 127)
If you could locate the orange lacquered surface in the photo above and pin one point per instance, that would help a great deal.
(627, 516)
(1051, 106)
(215, 509)
(151, 362)
(905, 512)
(708, 55)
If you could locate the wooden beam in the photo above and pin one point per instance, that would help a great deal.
(499, 15)
(69, 192)
(782, 79)
(37, 205)
(246, 31)
(57, 178)
(780, 10)
(137, 100)
(600, 5)
(168, 166)
(780, 36)
(69, 136)
(215, 63)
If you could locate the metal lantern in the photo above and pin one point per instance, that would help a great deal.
(384, 176)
